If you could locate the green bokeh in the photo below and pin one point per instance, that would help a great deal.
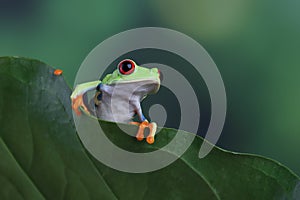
(255, 44)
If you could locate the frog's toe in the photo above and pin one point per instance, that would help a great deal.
(152, 130)
(150, 139)
(140, 134)
(77, 102)
(139, 137)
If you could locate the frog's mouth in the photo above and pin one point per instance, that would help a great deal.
(146, 86)
(152, 87)
(149, 85)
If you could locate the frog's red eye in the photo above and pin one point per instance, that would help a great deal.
(126, 67)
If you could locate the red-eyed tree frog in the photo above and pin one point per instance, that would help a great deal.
(119, 94)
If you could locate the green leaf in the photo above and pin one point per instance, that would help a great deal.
(43, 158)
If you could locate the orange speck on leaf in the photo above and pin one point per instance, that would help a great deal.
(58, 72)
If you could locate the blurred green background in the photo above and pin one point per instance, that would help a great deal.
(255, 44)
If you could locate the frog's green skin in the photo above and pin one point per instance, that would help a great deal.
(122, 94)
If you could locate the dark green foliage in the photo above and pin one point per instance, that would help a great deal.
(42, 157)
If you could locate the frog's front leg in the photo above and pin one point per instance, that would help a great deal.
(77, 95)
(144, 124)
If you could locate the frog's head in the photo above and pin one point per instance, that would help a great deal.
(128, 72)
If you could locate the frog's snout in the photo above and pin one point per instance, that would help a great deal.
(156, 70)
(160, 75)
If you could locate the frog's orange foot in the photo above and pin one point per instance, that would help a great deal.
(77, 102)
(140, 134)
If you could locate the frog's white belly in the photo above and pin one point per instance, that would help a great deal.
(121, 102)
(116, 112)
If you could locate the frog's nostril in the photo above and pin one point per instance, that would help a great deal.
(160, 75)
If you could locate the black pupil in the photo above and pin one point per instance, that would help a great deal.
(126, 66)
